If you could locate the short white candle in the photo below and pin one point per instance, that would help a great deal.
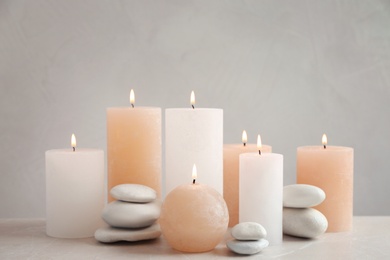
(261, 192)
(74, 191)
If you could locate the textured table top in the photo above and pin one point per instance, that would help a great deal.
(26, 239)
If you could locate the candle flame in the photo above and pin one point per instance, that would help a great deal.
(194, 172)
(192, 99)
(132, 98)
(73, 141)
(324, 140)
(259, 145)
(244, 137)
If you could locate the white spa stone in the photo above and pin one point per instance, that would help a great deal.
(247, 247)
(111, 235)
(133, 193)
(307, 223)
(248, 231)
(122, 214)
(302, 196)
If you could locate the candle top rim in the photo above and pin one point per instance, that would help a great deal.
(256, 154)
(132, 108)
(193, 109)
(78, 150)
(321, 148)
(247, 144)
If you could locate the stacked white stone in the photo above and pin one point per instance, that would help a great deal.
(249, 238)
(132, 217)
(299, 219)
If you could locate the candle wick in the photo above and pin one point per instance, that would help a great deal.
(324, 146)
(132, 105)
(193, 181)
(259, 152)
(244, 144)
(74, 148)
(193, 107)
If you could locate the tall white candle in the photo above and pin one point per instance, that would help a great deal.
(74, 192)
(194, 135)
(261, 192)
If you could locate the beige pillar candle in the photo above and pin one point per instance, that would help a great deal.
(134, 146)
(231, 155)
(331, 169)
(194, 217)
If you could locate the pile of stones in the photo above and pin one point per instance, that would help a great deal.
(299, 219)
(132, 217)
(249, 238)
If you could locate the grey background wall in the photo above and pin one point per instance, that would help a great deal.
(290, 70)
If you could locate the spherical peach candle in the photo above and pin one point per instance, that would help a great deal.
(194, 218)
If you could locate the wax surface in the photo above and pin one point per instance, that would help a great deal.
(330, 169)
(231, 154)
(194, 218)
(134, 147)
(194, 136)
(74, 192)
(261, 192)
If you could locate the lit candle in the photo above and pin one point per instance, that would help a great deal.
(194, 134)
(74, 191)
(331, 169)
(134, 146)
(231, 154)
(261, 191)
(194, 217)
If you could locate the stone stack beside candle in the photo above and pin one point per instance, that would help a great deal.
(249, 238)
(299, 219)
(132, 217)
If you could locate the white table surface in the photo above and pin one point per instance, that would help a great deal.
(26, 239)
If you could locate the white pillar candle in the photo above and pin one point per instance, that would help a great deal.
(74, 192)
(194, 135)
(261, 192)
(231, 156)
(134, 146)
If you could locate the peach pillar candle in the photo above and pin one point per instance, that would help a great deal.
(261, 192)
(134, 146)
(194, 217)
(194, 135)
(231, 155)
(331, 169)
(74, 191)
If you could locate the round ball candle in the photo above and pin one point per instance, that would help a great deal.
(194, 135)
(231, 155)
(261, 192)
(331, 169)
(74, 191)
(194, 217)
(134, 146)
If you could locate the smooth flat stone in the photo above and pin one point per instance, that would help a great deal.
(248, 231)
(111, 235)
(247, 247)
(307, 223)
(302, 196)
(133, 193)
(122, 214)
